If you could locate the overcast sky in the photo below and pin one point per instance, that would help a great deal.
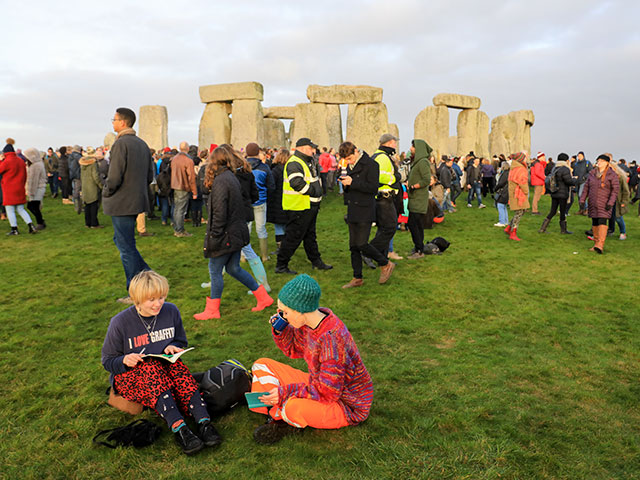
(68, 64)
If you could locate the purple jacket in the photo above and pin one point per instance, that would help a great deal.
(599, 195)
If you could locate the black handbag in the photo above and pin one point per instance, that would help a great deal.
(138, 434)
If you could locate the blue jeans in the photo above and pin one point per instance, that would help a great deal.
(124, 236)
(180, 204)
(260, 216)
(165, 208)
(503, 214)
(231, 263)
(476, 189)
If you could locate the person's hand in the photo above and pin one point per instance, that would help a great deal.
(416, 186)
(132, 359)
(346, 180)
(271, 398)
(171, 349)
(195, 196)
(608, 207)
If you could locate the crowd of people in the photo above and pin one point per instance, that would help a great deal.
(387, 190)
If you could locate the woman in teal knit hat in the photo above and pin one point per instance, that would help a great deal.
(337, 391)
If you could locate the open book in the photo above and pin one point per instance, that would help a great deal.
(169, 358)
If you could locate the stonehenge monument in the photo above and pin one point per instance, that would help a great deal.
(153, 123)
(234, 114)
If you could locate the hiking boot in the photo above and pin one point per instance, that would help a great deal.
(385, 272)
(285, 269)
(320, 265)
(273, 431)
(415, 255)
(182, 234)
(188, 441)
(208, 434)
(355, 282)
(394, 256)
(369, 263)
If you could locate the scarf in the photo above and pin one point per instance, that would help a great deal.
(126, 131)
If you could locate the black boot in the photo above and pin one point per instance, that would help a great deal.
(545, 224)
(320, 265)
(273, 431)
(563, 228)
(32, 229)
(208, 434)
(188, 441)
(14, 231)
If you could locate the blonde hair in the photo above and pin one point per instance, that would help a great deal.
(148, 284)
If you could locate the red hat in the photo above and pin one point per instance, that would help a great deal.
(212, 147)
(540, 154)
(166, 150)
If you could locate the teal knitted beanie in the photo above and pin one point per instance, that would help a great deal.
(302, 294)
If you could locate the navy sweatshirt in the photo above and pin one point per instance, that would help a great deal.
(127, 334)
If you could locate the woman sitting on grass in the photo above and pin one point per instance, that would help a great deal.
(336, 392)
(153, 326)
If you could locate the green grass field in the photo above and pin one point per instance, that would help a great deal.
(495, 360)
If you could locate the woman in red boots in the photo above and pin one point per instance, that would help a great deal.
(518, 192)
(227, 233)
(601, 191)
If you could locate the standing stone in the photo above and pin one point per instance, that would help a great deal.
(152, 126)
(247, 123)
(455, 100)
(395, 131)
(339, 94)
(432, 126)
(109, 139)
(215, 125)
(511, 133)
(228, 92)
(366, 123)
(320, 122)
(280, 112)
(473, 133)
(274, 134)
(452, 146)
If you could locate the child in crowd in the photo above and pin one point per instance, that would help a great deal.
(502, 195)
(337, 391)
(153, 326)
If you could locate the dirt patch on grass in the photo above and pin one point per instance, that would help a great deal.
(446, 343)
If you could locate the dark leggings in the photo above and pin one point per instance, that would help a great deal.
(598, 221)
(558, 203)
(34, 207)
(416, 227)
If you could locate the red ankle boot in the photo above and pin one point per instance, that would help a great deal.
(263, 298)
(211, 310)
(507, 230)
(513, 236)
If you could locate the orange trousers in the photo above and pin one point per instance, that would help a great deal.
(299, 412)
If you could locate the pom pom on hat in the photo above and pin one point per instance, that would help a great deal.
(301, 294)
(212, 147)
(9, 146)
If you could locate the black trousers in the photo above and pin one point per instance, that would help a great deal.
(386, 221)
(66, 187)
(91, 214)
(488, 185)
(558, 203)
(301, 228)
(34, 207)
(359, 245)
(456, 190)
(416, 227)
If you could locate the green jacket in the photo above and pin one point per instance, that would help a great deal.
(420, 173)
(91, 181)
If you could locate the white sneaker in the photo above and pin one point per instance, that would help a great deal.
(469, 205)
(482, 205)
(499, 225)
(623, 236)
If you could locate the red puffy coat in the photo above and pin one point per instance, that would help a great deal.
(537, 173)
(14, 176)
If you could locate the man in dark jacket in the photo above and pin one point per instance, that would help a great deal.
(360, 190)
(474, 179)
(301, 196)
(581, 168)
(74, 176)
(446, 176)
(125, 191)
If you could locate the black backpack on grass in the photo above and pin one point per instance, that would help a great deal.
(223, 387)
(138, 434)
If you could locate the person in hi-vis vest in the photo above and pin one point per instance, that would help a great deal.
(301, 197)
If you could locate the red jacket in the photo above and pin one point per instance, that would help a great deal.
(325, 162)
(14, 176)
(537, 173)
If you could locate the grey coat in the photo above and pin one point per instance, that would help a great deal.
(126, 188)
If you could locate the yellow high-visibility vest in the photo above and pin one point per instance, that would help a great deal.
(387, 176)
(292, 199)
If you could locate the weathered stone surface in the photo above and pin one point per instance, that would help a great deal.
(153, 125)
(109, 139)
(215, 125)
(432, 126)
(473, 133)
(366, 123)
(452, 146)
(395, 131)
(279, 112)
(344, 94)
(274, 134)
(227, 92)
(455, 100)
(511, 133)
(247, 123)
(320, 122)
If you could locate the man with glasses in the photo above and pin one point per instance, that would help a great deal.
(125, 191)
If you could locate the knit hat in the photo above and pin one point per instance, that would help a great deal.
(519, 157)
(9, 146)
(540, 154)
(252, 149)
(604, 157)
(563, 157)
(302, 294)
